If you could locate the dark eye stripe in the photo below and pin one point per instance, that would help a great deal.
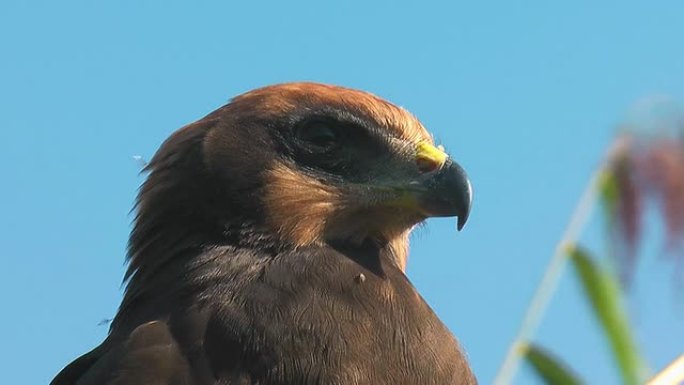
(318, 133)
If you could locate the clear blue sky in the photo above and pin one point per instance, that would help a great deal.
(524, 94)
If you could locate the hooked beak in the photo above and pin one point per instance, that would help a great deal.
(446, 192)
(442, 189)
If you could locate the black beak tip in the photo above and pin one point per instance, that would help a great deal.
(465, 212)
(461, 222)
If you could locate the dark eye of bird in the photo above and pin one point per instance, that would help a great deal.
(319, 134)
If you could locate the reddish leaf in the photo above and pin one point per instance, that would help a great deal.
(644, 168)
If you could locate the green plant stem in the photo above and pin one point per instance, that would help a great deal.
(549, 282)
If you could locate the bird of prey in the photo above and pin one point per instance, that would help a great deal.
(269, 247)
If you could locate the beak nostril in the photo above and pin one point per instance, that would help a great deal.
(426, 165)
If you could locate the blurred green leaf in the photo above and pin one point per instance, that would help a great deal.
(609, 193)
(603, 293)
(548, 367)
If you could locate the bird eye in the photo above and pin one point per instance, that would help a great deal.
(320, 134)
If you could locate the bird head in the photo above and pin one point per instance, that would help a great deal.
(310, 164)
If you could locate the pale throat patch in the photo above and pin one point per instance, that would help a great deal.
(305, 211)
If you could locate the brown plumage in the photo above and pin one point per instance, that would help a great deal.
(269, 248)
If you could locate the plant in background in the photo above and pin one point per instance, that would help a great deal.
(645, 163)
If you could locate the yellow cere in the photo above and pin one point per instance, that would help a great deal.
(428, 152)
